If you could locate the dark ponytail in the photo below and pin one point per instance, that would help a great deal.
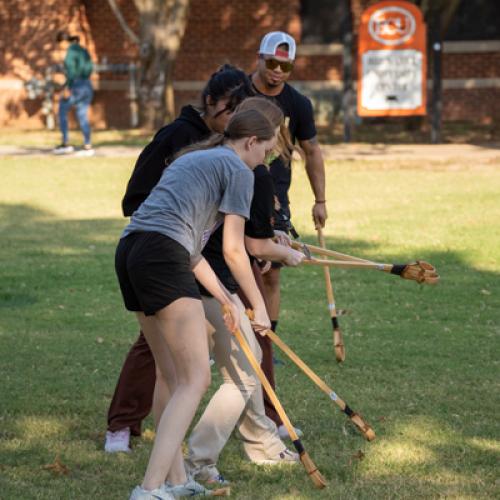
(227, 81)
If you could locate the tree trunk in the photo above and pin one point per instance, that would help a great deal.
(162, 26)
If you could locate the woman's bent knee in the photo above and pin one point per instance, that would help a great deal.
(198, 382)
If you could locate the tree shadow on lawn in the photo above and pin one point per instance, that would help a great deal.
(419, 359)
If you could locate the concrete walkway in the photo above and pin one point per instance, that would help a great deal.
(489, 153)
(439, 152)
(102, 151)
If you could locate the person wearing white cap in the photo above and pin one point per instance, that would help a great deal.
(275, 62)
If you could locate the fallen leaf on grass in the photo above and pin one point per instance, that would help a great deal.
(343, 312)
(359, 455)
(57, 468)
(148, 435)
(382, 419)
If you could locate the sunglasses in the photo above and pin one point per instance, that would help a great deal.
(286, 66)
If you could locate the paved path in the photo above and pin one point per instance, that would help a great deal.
(489, 153)
(439, 152)
(102, 151)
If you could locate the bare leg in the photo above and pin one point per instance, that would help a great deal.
(178, 331)
(161, 396)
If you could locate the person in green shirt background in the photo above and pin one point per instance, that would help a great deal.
(77, 92)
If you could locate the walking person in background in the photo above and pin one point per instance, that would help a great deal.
(77, 92)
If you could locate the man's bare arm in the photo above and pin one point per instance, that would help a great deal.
(315, 169)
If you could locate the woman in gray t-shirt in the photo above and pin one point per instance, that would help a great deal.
(158, 259)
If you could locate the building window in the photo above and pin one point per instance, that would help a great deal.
(322, 21)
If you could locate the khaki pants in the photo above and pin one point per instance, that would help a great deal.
(237, 403)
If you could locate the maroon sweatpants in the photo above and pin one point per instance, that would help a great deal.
(133, 397)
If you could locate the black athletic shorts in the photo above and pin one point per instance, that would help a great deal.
(281, 223)
(282, 219)
(153, 270)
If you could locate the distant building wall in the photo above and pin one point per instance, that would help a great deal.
(218, 31)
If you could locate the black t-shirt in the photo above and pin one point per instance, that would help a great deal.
(186, 129)
(259, 226)
(299, 117)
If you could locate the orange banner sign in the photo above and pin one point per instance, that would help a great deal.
(392, 60)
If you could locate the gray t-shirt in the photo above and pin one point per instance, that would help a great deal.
(192, 195)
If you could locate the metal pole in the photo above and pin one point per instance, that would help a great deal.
(437, 90)
(347, 70)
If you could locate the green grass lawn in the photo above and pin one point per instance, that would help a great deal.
(422, 363)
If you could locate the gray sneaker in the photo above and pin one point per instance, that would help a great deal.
(192, 489)
(211, 476)
(139, 493)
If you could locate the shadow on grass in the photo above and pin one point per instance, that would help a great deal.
(419, 365)
(123, 138)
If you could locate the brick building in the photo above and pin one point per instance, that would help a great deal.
(223, 31)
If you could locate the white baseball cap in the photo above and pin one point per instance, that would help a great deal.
(270, 43)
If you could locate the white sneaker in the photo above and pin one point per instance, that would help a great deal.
(63, 149)
(283, 432)
(139, 493)
(286, 457)
(86, 151)
(118, 441)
